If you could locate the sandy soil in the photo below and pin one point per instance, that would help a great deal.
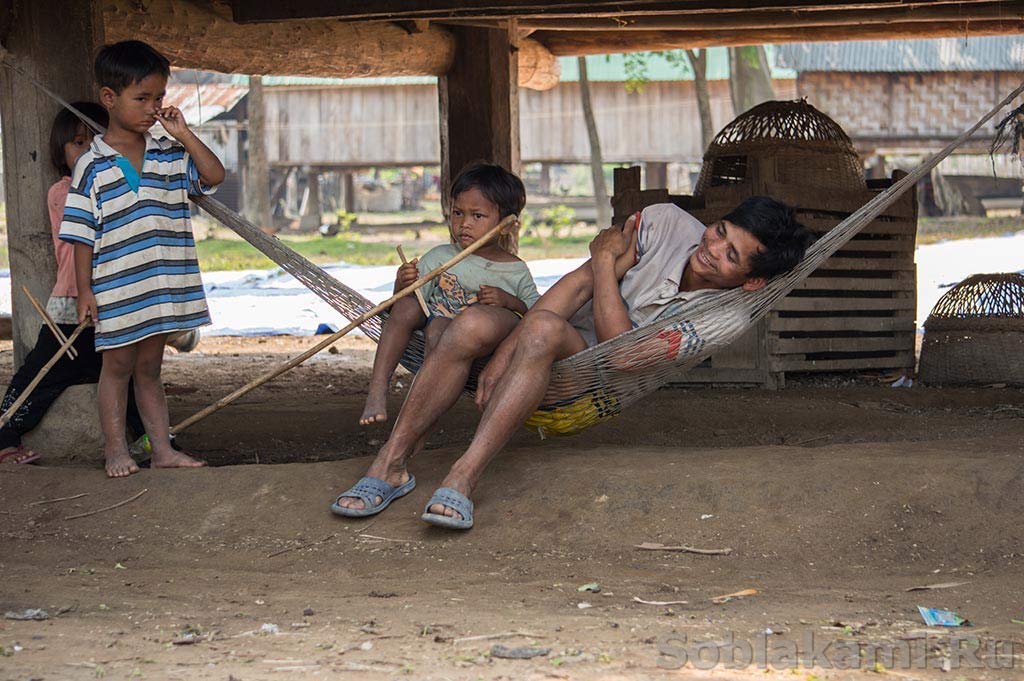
(834, 496)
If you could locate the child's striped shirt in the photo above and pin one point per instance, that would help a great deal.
(145, 274)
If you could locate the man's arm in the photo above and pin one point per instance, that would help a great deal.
(608, 251)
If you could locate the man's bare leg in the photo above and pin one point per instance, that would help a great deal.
(543, 339)
(149, 394)
(112, 396)
(406, 316)
(474, 333)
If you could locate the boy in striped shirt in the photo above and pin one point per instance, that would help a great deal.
(127, 215)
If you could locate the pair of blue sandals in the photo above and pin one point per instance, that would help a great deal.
(368, 489)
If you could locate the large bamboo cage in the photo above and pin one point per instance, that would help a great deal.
(782, 141)
(975, 333)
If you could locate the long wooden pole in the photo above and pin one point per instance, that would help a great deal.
(57, 333)
(330, 340)
(419, 294)
(42, 372)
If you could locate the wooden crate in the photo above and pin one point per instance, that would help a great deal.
(854, 313)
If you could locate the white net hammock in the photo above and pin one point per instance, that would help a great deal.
(599, 382)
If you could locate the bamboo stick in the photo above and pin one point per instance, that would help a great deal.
(330, 340)
(57, 333)
(42, 372)
(419, 294)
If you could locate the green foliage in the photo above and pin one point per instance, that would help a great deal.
(636, 66)
(558, 218)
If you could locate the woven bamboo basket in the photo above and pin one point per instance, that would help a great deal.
(975, 333)
(783, 141)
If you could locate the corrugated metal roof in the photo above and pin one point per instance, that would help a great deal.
(998, 53)
(203, 102)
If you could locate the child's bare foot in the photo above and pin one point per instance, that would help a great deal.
(375, 410)
(175, 459)
(120, 465)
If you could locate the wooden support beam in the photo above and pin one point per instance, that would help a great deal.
(998, 10)
(195, 35)
(56, 48)
(564, 44)
(250, 11)
(479, 104)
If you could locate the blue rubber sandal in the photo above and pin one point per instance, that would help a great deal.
(368, 489)
(454, 500)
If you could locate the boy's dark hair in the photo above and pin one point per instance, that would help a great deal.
(65, 127)
(775, 225)
(499, 186)
(121, 64)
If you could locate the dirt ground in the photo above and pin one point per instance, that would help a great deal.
(834, 495)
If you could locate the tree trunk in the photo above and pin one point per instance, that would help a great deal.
(750, 81)
(604, 206)
(699, 64)
(257, 174)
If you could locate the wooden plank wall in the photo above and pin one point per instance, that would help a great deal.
(398, 125)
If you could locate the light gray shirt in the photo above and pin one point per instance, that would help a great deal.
(666, 237)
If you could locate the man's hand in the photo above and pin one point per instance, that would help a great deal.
(611, 243)
(407, 275)
(174, 122)
(86, 305)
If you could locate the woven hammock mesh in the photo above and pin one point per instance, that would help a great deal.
(805, 146)
(975, 333)
(601, 381)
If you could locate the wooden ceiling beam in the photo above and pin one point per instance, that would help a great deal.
(564, 44)
(981, 11)
(256, 11)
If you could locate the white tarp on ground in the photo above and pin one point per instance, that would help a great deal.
(258, 302)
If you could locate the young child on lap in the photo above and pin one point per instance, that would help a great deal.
(482, 195)
(127, 215)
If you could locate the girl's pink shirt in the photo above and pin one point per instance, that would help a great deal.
(64, 251)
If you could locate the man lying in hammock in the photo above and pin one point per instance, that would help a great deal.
(659, 258)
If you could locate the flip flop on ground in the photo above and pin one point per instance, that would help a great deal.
(19, 454)
(368, 489)
(454, 500)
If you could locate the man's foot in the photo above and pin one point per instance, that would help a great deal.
(394, 476)
(175, 459)
(449, 508)
(18, 454)
(120, 465)
(440, 509)
(376, 410)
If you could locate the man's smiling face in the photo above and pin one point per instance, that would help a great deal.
(723, 259)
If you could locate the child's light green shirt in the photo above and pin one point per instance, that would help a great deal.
(455, 290)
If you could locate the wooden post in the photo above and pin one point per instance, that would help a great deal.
(311, 215)
(57, 48)
(479, 103)
(257, 174)
(348, 190)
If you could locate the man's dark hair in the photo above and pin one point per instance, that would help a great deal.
(65, 127)
(124, 63)
(775, 225)
(499, 186)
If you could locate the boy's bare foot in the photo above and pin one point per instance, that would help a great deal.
(175, 459)
(120, 465)
(375, 410)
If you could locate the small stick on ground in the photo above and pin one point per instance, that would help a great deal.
(53, 501)
(303, 546)
(108, 508)
(506, 634)
(376, 538)
(651, 546)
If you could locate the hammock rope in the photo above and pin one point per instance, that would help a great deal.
(599, 382)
